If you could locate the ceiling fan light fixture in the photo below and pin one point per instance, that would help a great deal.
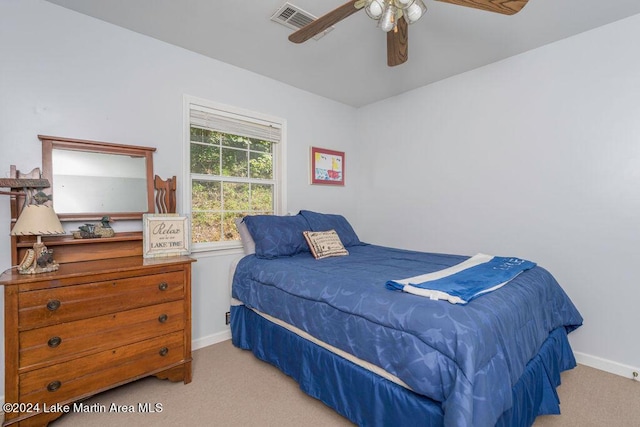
(388, 20)
(415, 11)
(387, 12)
(403, 4)
(375, 8)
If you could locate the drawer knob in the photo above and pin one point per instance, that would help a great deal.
(163, 286)
(163, 351)
(54, 385)
(163, 318)
(54, 342)
(53, 305)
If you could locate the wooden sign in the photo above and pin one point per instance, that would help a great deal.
(165, 235)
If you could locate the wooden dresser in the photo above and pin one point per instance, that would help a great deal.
(91, 326)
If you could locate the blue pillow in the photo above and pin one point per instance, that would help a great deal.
(277, 236)
(325, 222)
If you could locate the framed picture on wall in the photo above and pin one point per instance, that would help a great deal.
(327, 166)
(165, 235)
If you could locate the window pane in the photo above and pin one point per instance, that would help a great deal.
(261, 165)
(262, 197)
(234, 162)
(205, 227)
(206, 195)
(205, 159)
(236, 196)
(235, 141)
(211, 137)
(258, 145)
(196, 134)
(229, 229)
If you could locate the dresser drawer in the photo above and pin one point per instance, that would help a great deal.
(49, 306)
(57, 343)
(66, 381)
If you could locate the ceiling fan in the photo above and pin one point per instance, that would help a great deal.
(393, 17)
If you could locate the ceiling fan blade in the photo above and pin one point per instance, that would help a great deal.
(506, 7)
(398, 44)
(324, 22)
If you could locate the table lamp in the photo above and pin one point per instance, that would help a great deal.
(37, 220)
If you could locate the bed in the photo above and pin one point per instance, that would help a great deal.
(382, 357)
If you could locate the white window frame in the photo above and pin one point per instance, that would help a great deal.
(279, 162)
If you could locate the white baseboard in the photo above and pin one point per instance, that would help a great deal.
(605, 365)
(211, 339)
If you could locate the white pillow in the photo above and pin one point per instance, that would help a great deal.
(248, 244)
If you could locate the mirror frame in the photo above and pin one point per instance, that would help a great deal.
(53, 142)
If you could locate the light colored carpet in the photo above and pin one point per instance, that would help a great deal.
(231, 387)
(593, 398)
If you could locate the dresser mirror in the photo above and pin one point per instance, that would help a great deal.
(91, 179)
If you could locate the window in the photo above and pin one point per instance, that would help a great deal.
(235, 169)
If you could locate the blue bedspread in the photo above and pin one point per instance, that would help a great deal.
(466, 356)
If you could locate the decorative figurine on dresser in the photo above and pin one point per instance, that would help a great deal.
(100, 315)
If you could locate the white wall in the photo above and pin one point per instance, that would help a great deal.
(66, 74)
(537, 156)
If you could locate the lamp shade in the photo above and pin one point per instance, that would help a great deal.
(37, 220)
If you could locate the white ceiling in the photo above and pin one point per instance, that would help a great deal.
(349, 64)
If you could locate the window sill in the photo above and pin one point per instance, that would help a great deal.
(203, 251)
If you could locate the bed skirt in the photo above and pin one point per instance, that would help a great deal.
(367, 399)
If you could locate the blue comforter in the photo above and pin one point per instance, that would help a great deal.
(466, 356)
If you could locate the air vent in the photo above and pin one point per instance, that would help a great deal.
(295, 18)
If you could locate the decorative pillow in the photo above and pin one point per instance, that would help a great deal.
(248, 244)
(324, 244)
(323, 222)
(277, 236)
